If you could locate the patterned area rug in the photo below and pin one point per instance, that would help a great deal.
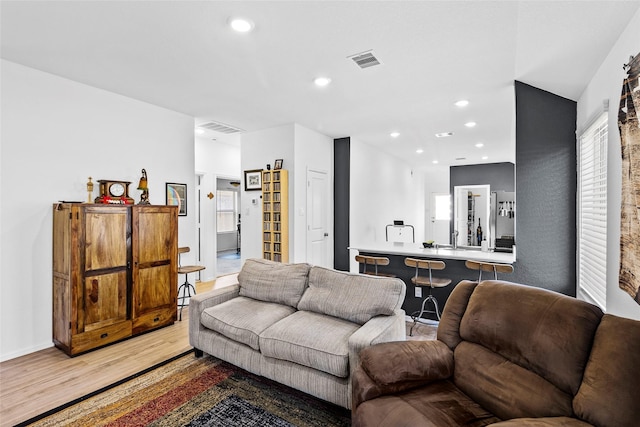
(202, 391)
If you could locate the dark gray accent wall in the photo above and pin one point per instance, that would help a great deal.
(545, 190)
(342, 165)
(500, 176)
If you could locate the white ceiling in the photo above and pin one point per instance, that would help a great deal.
(182, 55)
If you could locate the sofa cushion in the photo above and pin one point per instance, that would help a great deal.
(438, 404)
(310, 339)
(353, 297)
(608, 395)
(243, 319)
(504, 388)
(273, 281)
(543, 331)
(543, 422)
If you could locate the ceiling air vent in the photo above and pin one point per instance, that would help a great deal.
(219, 127)
(364, 59)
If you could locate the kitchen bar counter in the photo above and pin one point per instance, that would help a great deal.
(455, 267)
(416, 250)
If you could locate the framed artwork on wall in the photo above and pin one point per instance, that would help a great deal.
(278, 164)
(177, 196)
(253, 180)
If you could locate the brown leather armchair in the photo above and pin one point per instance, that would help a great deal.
(506, 355)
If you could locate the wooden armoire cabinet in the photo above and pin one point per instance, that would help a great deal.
(114, 272)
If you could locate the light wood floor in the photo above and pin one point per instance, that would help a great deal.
(38, 382)
(44, 380)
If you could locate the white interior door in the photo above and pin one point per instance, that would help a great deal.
(317, 211)
(440, 217)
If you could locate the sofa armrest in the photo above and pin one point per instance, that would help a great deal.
(379, 329)
(200, 302)
(396, 366)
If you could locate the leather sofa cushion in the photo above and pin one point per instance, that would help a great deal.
(608, 395)
(543, 422)
(243, 319)
(353, 297)
(310, 339)
(545, 332)
(438, 404)
(271, 281)
(504, 388)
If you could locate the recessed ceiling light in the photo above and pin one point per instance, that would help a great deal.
(419, 151)
(199, 131)
(394, 134)
(470, 124)
(462, 103)
(485, 157)
(322, 81)
(443, 134)
(241, 25)
(479, 145)
(435, 162)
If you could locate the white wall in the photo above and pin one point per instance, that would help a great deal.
(55, 134)
(436, 180)
(607, 85)
(213, 159)
(258, 149)
(313, 152)
(383, 188)
(301, 150)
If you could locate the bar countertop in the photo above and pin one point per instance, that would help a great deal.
(416, 250)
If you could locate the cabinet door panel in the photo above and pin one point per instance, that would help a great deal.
(105, 237)
(152, 290)
(154, 236)
(105, 300)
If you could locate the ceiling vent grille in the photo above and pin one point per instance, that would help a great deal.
(365, 59)
(219, 127)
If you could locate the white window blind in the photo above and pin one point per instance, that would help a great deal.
(592, 212)
(227, 204)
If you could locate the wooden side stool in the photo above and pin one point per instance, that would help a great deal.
(365, 260)
(430, 281)
(186, 287)
(481, 266)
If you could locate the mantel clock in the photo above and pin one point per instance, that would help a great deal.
(114, 192)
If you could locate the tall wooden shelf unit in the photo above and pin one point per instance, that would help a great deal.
(114, 272)
(275, 215)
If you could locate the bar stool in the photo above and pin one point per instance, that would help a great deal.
(365, 260)
(481, 266)
(430, 281)
(186, 287)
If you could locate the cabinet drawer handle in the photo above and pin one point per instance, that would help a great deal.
(104, 335)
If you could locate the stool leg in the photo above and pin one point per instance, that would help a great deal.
(429, 298)
(186, 288)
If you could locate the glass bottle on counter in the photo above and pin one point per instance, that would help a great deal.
(479, 233)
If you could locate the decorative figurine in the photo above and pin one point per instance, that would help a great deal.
(90, 191)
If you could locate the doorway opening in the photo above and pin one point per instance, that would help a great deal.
(228, 226)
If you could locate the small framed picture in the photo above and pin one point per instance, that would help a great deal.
(277, 164)
(253, 180)
(177, 196)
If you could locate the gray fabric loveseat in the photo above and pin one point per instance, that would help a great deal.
(300, 325)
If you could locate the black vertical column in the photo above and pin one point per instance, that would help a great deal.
(341, 194)
(545, 190)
